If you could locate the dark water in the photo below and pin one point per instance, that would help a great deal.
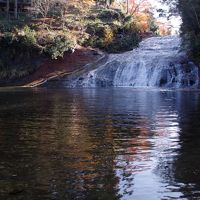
(99, 144)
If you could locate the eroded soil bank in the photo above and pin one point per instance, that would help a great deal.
(50, 69)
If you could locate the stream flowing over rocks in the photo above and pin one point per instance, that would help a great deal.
(157, 62)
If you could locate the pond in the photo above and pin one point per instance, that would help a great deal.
(109, 144)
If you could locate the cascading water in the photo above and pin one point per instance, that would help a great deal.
(157, 62)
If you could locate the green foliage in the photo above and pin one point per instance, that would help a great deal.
(117, 34)
(153, 27)
(107, 29)
(189, 10)
(190, 13)
(131, 27)
(23, 40)
(58, 8)
(104, 2)
(6, 26)
(83, 37)
(113, 38)
(191, 41)
(123, 44)
(110, 14)
(10, 26)
(28, 37)
(17, 48)
(95, 29)
(128, 19)
(58, 45)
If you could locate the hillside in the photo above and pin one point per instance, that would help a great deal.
(28, 43)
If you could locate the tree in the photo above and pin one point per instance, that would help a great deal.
(189, 10)
(106, 3)
(16, 9)
(7, 8)
(42, 7)
(139, 6)
(109, 2)
(134, 6)
(127, 5)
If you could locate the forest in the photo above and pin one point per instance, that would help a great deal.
(35, 30)
(190, 27)
(48, 29)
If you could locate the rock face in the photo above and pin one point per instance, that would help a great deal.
(157, 62)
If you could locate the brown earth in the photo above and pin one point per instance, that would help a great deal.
(70, 63)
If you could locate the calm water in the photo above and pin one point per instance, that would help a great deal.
(99, 144)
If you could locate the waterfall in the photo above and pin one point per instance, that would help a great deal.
(157, 62)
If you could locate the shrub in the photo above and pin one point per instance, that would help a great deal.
(153, 27)
(57, 8)
(82, 38)
(110, 14)
(191, 42)
(58, 45)
(17, 51)
(113, 37)
(128, 19)
(5, 27)
(27, 37)
(95, 29)
(124, 43)
(99, 35)
(108, 35)
(10, 26)
(22, 42)
(131, 27)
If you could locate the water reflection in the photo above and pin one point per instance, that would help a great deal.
(99, 144)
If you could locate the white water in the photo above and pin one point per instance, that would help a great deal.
(157, 62)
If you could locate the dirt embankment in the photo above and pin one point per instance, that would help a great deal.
(71, 62)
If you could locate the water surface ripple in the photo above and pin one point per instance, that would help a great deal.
(95, 144)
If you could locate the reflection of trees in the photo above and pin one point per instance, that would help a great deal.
(186, 165)
(84, 145)
(49, 149)
(180, 167)
(88, 168)
(128, 118)
(19, 141)
(70, 144)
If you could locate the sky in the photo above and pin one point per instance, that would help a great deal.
(175, 22)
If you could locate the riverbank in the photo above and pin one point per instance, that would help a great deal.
(34, 50)
(50, 69)
(70, 63)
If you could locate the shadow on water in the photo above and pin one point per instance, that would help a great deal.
(182, 173)
(99, 144)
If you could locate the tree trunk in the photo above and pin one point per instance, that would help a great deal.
(107, 4)
(127, 2)
(7, 8)
(16, 9)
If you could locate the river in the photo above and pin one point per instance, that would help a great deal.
(105, 143)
